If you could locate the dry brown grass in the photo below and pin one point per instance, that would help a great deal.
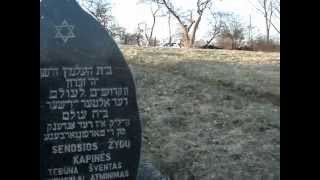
(209, 114)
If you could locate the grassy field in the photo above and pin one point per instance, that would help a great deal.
(209, 114)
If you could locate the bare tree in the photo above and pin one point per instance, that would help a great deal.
(268, 8)
(138, 34)
(276, 14)
(276, 7)
(250, 29)
(189, 24)
(121, 33)
(234, 30)
(217, 23)
(155, 10)
(101, 10)
(144, 30)
(169, 26)
(154, 13)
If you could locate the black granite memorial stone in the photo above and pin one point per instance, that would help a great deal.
(90, 127)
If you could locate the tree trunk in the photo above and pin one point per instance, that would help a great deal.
(265, 8)
(267, 31)
(138, 41)
(194, 31)
(233, 44)
(155, 41)
(126, 39)
(209, 42)
(152, 28)
(185, 38)
(169, 23)
(186, 43)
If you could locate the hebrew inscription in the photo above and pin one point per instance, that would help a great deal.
(89, 120)
(82, 107)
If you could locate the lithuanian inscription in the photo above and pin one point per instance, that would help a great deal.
(90, 128)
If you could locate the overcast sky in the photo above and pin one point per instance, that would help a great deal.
(128, 14)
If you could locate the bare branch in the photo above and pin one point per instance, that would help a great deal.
(188, 25)
(202, 5)
(275, 28)
(169, 6)
(268, 8)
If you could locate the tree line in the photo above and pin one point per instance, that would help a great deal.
(226, 30)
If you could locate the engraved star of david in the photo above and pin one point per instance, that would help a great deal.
(65, 26)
